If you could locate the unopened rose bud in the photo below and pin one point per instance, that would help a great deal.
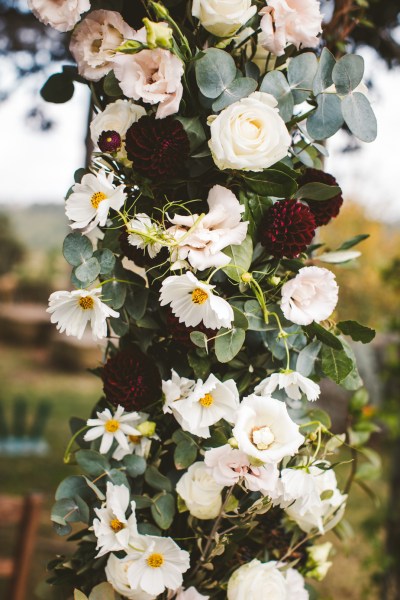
(159, 35)
(147, 428)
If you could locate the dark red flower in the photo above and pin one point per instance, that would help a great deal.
(131, 252)
(109, 141)
(323, 210)
(158, 148)
(180, 333)
(287, 229)
(131, 379)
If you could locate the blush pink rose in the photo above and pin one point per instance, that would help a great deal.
(59, 14)
(153, 76)
(94, 41)
(286, 22)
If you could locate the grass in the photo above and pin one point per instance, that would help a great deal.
(25, 373)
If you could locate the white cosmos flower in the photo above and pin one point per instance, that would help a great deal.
(229, 466)
(200, 491)
(117, 575)
(110, 427)
(174, 389)
(138, 444)
(220, 227)
(193, 302)
(265, 431)
(209, 402)
(92, 199)
(113, 530)
(292, 382)
(73, 310)
(223, 17)
(156, 564)
(310, 296)
(139, 230)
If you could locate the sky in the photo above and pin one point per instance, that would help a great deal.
(39, 167)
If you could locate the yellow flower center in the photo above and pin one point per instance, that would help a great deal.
(97, 198)
(207, 400)
(199, 296)
(86, 302)
(112, 426)
(155, 560)
(135, 439)
(116, 525)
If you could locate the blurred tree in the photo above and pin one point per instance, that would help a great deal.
(11, 250)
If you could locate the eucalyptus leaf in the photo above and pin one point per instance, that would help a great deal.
(106, 260)
(347, 73)
(307, 357)
(275, 83)
(323, 77)
(241, 256)
(157, 481)
(88, 271)
(239, 88)
(301, 72)
(215, 71)
(163, 510)
(136, 301)
(135, 465)
(228, 343)
(359, 117)
(77, 248)
(114, 294)
(92, 462)
(199, 339)
(185, 454)
(327, 119)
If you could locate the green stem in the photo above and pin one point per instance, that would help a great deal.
(71, 442)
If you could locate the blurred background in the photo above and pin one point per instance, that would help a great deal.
(44, 376)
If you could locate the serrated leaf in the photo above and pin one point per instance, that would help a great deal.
(215, 71)
(77, 248)
(301, 72)
(228, 343)
(324, 336)
(241, 256)
(359, 117)
(163, 510)
(336, 364)
(275, 83)
(239, 88)
(327, 119)
(347, 73)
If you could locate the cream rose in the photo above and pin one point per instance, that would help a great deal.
(249, 135)
(223, 17)
(264, 580)
(118, 116)
(202, 495)
(59, 14)
(94, 41)
(311, 296)
(153, 76)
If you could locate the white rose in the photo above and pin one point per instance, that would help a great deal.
(311, 296)
(116, 573)
(223, 17)
(265, 431)
(117, 116)
(94, 41)
(202, 495)
(295, 586)
(62, 15)
(249, 135)
(257, 580)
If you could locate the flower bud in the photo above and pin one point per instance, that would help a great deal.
(274, 280)
(233, 443)
(247, 277)
(159, 10)
(147, 428)
(159, 35)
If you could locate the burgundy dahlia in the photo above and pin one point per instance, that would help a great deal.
(109, 141)
(180, 333)
(287, 229)
(131, 379)
(158, 148)
(323, 210)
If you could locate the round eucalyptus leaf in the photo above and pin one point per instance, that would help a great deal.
(359, 117)
(215, 71)
(301, 73)
(348, 72)
(239, 88)
(275, 83)
(88, 271)
(77, 248)
(327, 119)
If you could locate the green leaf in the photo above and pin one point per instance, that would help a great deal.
(354, 241)
(114, 294)
(142, 502)
(200, 364)
(271, 182)
(359, 117)
(157, 481)
(307, 357)
(358, 400)
(88, 271)
(357, 332)
(119, 325)
(275, 83)
(327, 119)
(323, 78)
(228, 343)
(74, 485)
(199, 339)
(163, 510)
(185, 454)
(117, 477)
(336, 364)
(111, 85)
(318, 191)
(241, 256)
(215, 71)
(58, 88)
(135, 465)
(103, 591)
(347, 73)
(67, 510)
(254, 316)
(194, 130)
(77, 248)
(301, 72)
(79, 595)
(239, 319)
(136, 301)
(92, 462)
(239, 88)
(353, 380)
(106, 260)
(324, 336)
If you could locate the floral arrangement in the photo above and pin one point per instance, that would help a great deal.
(207, 471)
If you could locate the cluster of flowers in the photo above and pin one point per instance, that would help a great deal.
(207, 474)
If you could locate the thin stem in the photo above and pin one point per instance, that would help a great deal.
(71, 442)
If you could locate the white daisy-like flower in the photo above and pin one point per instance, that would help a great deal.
(193, 302)
(139, 444)
(143, 234)
(174, 389)
(209, 402)
(116, 572)
(156, 564)
(265, 431)
(73, 310)
(292, 382)
(112, 427)
(92, 199)
(113, 530)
